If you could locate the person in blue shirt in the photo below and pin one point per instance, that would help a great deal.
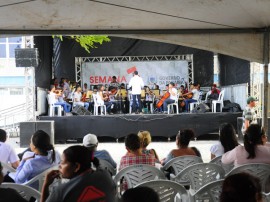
(91, 142)
(42, 158)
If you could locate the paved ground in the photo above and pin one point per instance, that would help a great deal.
(117, 150)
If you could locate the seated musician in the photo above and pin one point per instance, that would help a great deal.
(195, 96)
(173, 97)
(114, 85)
(103, 98)
(148, 98)
(57, 99)
(78, 98)
(214, 94)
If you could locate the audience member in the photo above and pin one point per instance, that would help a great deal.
(85, 184)
(7, 153)
(142, 194)
(241, 187)
(134, 154)
(253, 151)
(91, 142)
(182, 141)
(43, 158)
(8, 194)
(145, 139)
(227, 140)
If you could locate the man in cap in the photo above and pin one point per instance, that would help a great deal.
(249, 113)
(91, 142)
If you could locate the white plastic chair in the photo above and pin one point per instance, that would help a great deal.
(25, 191)
(103, 164)
(260, 170)
(136, 174)
(180, 163)
(210, 191)
(52, 106)
(218, 101)
(199, 174)
(168, 191)
(152, 104)
(174, 104)
(39, 179)
(97, 105)
(227, 167)
(7, 168)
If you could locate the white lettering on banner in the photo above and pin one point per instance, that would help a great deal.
(159, 72)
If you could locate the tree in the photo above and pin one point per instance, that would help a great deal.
(87, 41)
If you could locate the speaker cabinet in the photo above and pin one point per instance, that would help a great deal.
(80, 110)
(201, 108)
(26, 57)
(27, 129)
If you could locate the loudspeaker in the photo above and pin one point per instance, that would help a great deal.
(80, 110)
(26, 57)
(27, 129)
(201, 108)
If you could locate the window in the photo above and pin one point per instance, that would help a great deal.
(3, 53)
(8, 45)
(12, 48)
(3, 91)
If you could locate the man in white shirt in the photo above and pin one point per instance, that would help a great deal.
(7, 153)
(173, 97)
(77, 99)
(136, 83)
(195, 96)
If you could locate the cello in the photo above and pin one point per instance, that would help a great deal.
(163, 98)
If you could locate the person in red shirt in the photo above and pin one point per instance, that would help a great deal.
(134, 153)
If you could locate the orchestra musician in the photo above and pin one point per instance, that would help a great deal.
(148, 98)
(56, 98)
(195, 96)
(78, 98)
(173, 97)
(103, 98)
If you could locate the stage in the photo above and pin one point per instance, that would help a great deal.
(119, 125)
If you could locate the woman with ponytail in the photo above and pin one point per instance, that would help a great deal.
(42, 157)
(85, 184)
(253, 151)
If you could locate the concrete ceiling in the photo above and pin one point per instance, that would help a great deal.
(133, 14)
(232, 27)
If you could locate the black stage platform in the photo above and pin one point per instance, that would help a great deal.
(117, 126)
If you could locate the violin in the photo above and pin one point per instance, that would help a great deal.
(83, 97)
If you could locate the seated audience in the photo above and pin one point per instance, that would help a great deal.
(227, 140)
(85, 184)
(253, 151)
(142, 194)
(90, 141)
(145, 139)
(7, 153)
(8, 194)
(182, 141)
(241, 187)
(42, 159)
(135, 154)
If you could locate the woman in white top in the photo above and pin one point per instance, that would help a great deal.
(77, 99)
(253, 151)
(227, 140)
(104, 99)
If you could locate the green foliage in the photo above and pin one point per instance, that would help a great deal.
(87, 41)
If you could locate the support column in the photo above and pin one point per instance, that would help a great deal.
(265, 79)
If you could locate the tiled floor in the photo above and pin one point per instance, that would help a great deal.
(117, 150)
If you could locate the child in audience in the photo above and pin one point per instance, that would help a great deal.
(227, 140)
(182, 141)
(43, 157)
(85, 184)
(253, 151)
(241, 187)
(145, 139)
